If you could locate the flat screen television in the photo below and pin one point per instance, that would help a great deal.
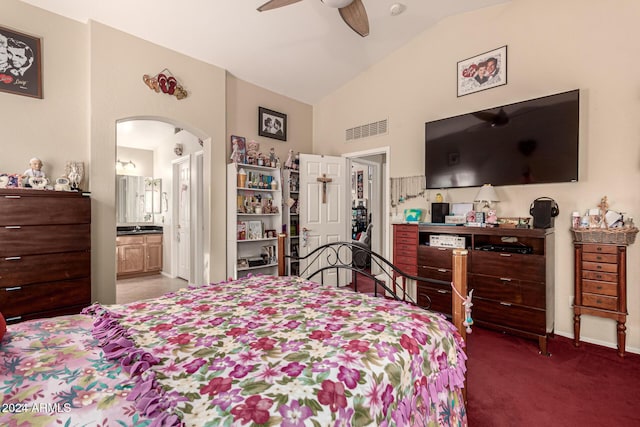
(529, 142)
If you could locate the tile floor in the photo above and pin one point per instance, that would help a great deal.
(139, 288)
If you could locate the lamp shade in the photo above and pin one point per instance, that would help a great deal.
(487, 194)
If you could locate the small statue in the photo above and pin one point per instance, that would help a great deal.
(35, 168)
(75, 173)
(289, 163)
(296, 162)
(272, 157)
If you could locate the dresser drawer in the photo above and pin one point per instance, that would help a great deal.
(405, 240)
(44, 239)
(601, 276)
(527, 319)
(599, 301)
(435, 257)
(599, 248)
(514, 266)
(153, 238)
(23, 270)
(434, 299)
(35, 210)
(405, 230)
(406, 251)
(600, 266)
(514, 291)
(20, 300)
(444, 274)
(410, 268)
(600, 288)
(599, 257)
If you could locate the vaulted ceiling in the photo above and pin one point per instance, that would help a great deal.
(303, 50)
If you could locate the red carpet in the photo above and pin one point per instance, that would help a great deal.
(510, 384)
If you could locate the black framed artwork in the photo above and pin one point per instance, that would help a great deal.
(272, 124)
(20, 63)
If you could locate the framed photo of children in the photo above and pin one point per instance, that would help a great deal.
(272, 124)
(20, 63)
(482, 71)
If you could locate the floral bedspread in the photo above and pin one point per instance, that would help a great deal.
(257, 351)
(52, 373)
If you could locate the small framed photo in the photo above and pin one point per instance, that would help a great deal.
(21, 66)
(238, 149)
(272, 124)
(482, 71)
(254, 230)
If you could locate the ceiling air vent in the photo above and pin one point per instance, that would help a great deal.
(370, 129)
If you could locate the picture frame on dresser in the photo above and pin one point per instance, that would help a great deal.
(21, 71)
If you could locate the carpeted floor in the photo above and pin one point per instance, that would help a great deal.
(510, 384)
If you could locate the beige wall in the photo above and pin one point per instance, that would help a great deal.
(243, 100)
(56, 128)
(552, 47)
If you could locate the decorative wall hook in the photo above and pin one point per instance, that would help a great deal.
(165, 82)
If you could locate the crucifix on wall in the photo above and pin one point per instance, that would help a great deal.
(324, 181)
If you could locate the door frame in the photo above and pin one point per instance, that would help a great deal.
(384, 177)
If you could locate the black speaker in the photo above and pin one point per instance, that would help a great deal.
(543, 210)
(439, 211)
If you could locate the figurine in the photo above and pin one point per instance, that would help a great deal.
(272, 157)
(35, 168)
(289, 163)
(235, 155)
(75, 173)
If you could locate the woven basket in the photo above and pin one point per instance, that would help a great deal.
(618, 236)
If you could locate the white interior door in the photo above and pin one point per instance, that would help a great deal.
(323, 210)
(183, 220)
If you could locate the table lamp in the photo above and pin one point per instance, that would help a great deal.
(487, 195)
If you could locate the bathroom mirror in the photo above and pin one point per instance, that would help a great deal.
(134, 204)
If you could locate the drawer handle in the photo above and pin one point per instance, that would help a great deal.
(599, 249)
(599, 267)
(505, 254)
(442, 270)
(12, 227)
(598, 276)
(598, 287)
(505, 279)
(442, 291)
(12, 197)
(11, 319)
(15, 288)
(13, 258)
(599, 301)
(599, 258)
(505, 303)
(442, 249)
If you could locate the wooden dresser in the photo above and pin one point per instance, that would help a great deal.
(45, 258)
(601, 286)
(511, 271)
(405, 251)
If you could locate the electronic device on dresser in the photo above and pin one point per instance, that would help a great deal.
(439, 211)
(543, 210)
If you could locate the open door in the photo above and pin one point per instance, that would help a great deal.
(324, 197)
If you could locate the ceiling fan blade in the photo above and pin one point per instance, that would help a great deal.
(355, 17)
(274, 4)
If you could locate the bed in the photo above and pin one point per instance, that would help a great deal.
(261, 350)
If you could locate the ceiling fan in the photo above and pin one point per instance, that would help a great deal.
(352, 11)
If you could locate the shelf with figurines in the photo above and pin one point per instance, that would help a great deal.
(34, 178)
(603, 225)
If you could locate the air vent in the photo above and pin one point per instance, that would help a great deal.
(370, 129)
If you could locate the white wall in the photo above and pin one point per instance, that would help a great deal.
(553, 47)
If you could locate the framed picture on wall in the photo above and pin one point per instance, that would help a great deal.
(272, 124)
(21, 64)
(482, 71)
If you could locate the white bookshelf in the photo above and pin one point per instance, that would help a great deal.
(290, 216)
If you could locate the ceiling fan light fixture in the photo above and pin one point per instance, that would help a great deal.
(337, 4)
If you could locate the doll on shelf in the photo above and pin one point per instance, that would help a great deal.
(289, 163)
(35, 168)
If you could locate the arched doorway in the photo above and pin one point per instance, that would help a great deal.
(155, 146)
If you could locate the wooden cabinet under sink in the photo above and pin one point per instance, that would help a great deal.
(138, 255)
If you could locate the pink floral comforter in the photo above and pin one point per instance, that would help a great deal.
(256, 351)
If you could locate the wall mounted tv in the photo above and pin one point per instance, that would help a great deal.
(529, 142)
